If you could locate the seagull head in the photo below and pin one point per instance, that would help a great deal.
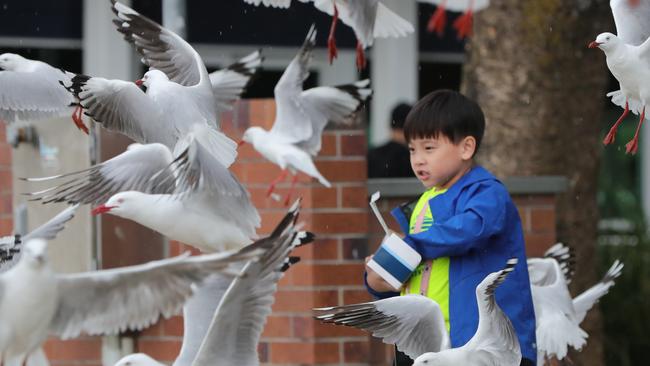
(605, 41)
(11, 61)
(137, 359)
(35, 253)
(150, 77)
(119, 204)
(252, 135)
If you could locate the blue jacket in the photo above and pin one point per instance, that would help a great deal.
(477, 225)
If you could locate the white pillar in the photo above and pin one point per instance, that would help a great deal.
(394, 72)
(174, 15)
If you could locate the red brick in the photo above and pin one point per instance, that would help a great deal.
(534, 199)
(343, 170)
(6, 226)
(5, 154)
(263, 352)
(353, 144)
(340, 222)
(246, 151)
(155, 330)
(320, 249)
(79, 349)
(356, 296)
(356, 352)
(5, 180)
(356, 197)
(174, 326)
(524, 215)
(162, 350)
(542, 219)
(537, 244)
(304, 353)
(261, 112)
(322, 197)
(6, 203)
(277, 326)
(328, 145)
(329, 275)
(270, 219)
(303, 300)
(261, 172)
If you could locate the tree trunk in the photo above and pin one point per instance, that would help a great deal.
(542, 91)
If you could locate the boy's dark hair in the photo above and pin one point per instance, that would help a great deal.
(398, 116)
(445, 112)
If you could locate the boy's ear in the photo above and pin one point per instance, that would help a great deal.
(468, 147)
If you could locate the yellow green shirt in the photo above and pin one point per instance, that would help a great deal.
(438, 287)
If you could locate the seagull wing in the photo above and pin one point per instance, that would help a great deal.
(34, 95)
(632, 21)
(270, 3)
(160, 48)
(239, 320)
(336, 104)
(112, 301)
(144, 168)
(228, 84)
(292, 123)
(50, 229)
(586, 300)
(413, 323)
(120, 106)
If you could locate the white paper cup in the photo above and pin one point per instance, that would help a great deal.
(394, 261)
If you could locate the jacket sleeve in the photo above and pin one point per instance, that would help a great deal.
(377, 294)
(482, 216)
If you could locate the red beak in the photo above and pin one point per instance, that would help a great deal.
(594, 44)
(139, 82)
(240, 143)
(101, 209)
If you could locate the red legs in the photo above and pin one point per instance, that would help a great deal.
(277, 180)
(464, 23)
(361, 57)
(633, 146)
(611, 135)
(438, 20)
(331, 40)
(294, 179)
(76, 118)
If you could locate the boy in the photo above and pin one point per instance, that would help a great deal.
(465, 225)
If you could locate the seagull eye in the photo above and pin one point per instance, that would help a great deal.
(120, 200)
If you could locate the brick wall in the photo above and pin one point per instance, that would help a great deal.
(331, 269)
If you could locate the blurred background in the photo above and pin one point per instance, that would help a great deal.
(527, 64)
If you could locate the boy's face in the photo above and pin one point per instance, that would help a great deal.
(437, 162)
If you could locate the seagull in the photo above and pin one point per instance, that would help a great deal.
(35, 301)
(187, 195)
(629, 61)
(29, 90)
(558, 315)
(10, 246)
(231, 335)
(179, 91)
(301, 117)
(369, 19)
(415, 324)
(463, 24)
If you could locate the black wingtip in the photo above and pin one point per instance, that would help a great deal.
(288, 263)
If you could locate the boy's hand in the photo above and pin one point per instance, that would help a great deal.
(375, 281)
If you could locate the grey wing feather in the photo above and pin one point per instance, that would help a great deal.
(632, 22)
(160, 48)
(495, 334)
(144, 168)
(50, 229)
(586, 300)
(337, 104)
(239, 320)
(565, 257)
(112, 301)
(34, 95)
(122, 107)
(292, 122)
(413, 323)
(229, 83)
